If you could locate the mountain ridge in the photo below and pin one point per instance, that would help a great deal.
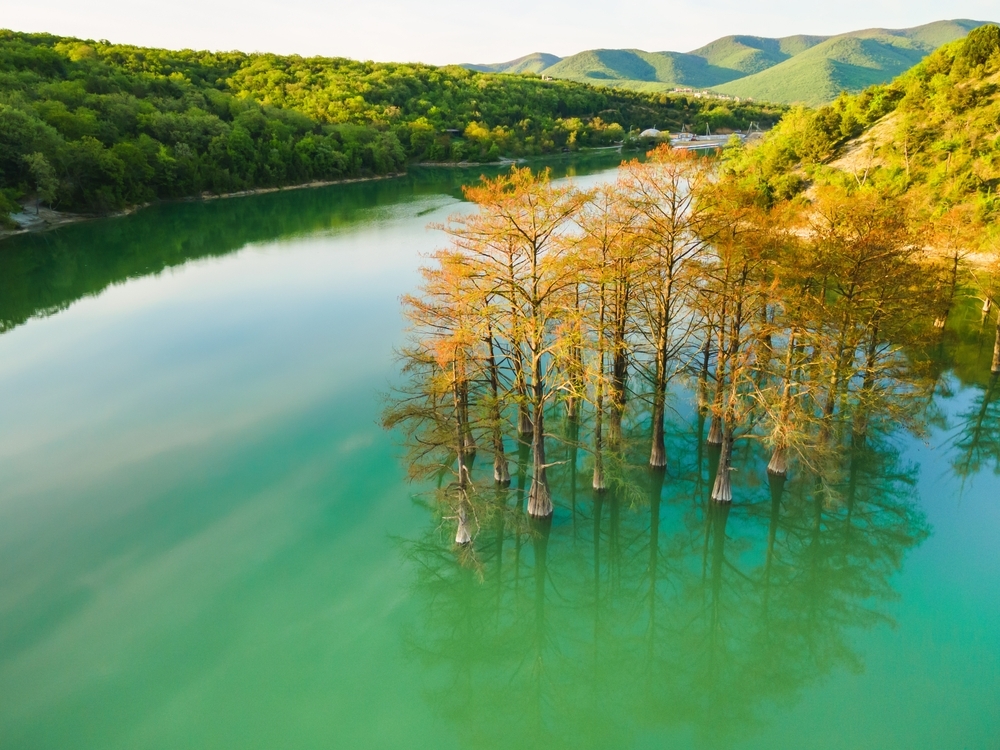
(802, 68)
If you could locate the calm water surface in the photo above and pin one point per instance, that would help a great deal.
(206, 540)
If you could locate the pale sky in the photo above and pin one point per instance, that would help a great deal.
(454, 31)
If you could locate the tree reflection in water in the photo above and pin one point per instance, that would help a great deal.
(651, 607)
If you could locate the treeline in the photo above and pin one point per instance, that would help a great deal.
(93, 126)
(793, 325)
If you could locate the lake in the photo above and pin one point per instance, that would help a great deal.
(208, 541)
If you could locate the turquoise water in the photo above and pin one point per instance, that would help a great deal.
(207, 541)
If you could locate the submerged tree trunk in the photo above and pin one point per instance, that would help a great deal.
(860, 426)
(462, 536)
(995, 367)
(619, 374)
(573, 440)
(722, 491)
(524, 426)
(501, 471)
(942, 321)
(468, 441)
(539, 498)
(706, 357)
(844, 356)
(658, 453)
(778, 465)
(576, 369)
(598, 482)
(717, 428)
(461, 429)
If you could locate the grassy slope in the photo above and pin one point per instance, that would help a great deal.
(850, 62)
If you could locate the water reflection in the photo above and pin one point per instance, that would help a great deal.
(650, 607)
(42, 274)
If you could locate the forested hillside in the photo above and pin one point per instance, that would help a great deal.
(931, 135)
(95, 126)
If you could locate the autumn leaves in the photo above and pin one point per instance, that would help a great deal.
(555, 306)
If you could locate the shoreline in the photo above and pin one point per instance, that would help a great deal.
(51, 219)
(519, 160)
(48, 219)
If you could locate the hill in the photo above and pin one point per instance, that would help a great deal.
(628, 68)
(849, 62)
(533, 63)
(796, 69)
(930, 135)
(752, 54)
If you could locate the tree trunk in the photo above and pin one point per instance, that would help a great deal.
(703, 375)
(995, 367)
(778, 465)
(576, 369)
(469, 442)
(658, 453)
(460, 454)
(524, 427)
(619, 373)
(539, 498)
(722, 491)
(598, 483)
(501, 471)
(462, 536)
(717, 428)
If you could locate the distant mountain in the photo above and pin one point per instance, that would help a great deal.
(849, 62)
(752, 54)
(795, 69)
(536, 62)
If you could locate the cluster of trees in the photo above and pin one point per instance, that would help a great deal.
(793, 326)
(95, 126)
(625, 340)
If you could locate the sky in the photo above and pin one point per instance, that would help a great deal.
(456, 31)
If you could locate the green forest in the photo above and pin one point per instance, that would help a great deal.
(94, 126)
(931, 135)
